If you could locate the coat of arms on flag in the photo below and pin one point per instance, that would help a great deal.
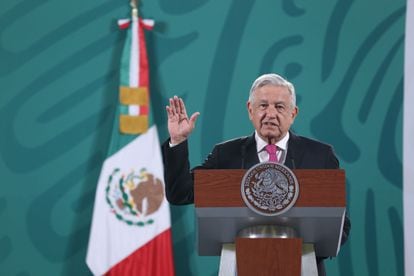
(134, 196)
(131, 228)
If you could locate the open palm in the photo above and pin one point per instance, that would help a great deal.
(179, 125)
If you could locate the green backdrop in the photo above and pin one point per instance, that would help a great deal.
(58, 93)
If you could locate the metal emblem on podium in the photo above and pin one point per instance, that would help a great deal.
(269, 189)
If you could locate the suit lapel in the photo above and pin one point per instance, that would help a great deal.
(250, 152)
(295, 152)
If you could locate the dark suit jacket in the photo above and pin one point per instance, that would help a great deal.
(241, 153)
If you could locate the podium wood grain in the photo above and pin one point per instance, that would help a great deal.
(268, 256)
(317, 188)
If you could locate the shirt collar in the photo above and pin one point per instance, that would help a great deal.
(260, 143)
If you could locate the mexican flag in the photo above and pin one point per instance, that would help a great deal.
(408, 141)
(131, 228)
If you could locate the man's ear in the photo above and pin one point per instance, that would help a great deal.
(295, 112)
(249, 109)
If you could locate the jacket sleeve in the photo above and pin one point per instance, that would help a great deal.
(179, 179)
(179, 186)
(331, 161)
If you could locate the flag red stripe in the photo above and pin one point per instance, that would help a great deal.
(155, 259)
(143, 110)
(143, 66)
(124, 25)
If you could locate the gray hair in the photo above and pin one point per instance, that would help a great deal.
(275, 80)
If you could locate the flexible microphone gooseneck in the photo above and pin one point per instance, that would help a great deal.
(243, 153)
(293, 164)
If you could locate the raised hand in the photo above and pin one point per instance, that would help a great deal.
(179, 125)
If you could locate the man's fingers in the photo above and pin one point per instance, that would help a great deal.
(177, 107)
(172, 107)
(182, 107)
(169, 111)
(193, 118)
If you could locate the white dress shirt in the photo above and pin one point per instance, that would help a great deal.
(262, 153)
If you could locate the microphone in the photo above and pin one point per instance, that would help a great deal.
(269, 140)
(293, 164)
(243, 153)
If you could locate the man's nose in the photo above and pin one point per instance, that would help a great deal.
(271, 112)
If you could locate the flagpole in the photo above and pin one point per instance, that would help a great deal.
(134, 8)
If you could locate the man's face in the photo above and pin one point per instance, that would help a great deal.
(271, 112)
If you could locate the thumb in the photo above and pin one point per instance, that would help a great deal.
(193, 118)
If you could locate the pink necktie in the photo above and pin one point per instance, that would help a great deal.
(272, 150)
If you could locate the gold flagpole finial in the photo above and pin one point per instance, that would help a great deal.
(134, 8)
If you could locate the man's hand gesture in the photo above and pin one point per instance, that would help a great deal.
(179, 125)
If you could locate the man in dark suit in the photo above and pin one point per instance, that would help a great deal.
(272, 110)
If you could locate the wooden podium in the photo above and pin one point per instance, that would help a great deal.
(317, 217)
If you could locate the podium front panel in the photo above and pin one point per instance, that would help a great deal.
(317, 216)
(321, 226)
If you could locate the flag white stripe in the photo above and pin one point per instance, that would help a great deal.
(408, 141)
(134, 55)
